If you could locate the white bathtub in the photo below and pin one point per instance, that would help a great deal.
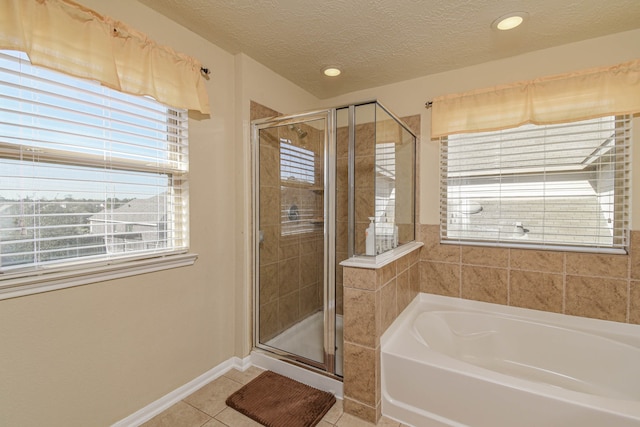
(453, 362)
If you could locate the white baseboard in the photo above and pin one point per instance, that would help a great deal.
(155, 408)
(305, 376)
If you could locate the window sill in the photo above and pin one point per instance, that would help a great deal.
(537, 246)
(45, 282)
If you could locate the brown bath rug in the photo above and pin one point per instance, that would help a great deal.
(277, 401)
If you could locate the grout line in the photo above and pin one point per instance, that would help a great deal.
(509, 269)
(628, 316)
(197, 409)
(629, 270)
(208, 421)
(564, 283)
(460, 277)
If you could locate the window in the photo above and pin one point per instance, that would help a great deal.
(87, 174)
(385, 209)
(297, 164)
(299, 195)
(552, 186)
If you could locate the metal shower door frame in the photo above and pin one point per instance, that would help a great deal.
(329, 268)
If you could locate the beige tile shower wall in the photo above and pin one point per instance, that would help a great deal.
(365, 191)
(290, 286)
(590, 285)
(372, 300)
(290, 263)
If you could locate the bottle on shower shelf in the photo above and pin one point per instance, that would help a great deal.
(395, 235)
(370, 238)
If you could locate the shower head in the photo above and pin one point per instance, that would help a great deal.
(300, 132)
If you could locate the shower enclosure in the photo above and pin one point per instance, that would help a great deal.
(328, 185)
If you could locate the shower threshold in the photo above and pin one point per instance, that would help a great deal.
(305, 339)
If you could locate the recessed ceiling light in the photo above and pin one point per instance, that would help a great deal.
(509, 21)
(332, 71)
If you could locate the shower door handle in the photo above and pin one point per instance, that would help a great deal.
(260, 236)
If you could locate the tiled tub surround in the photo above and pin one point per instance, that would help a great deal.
(373, 298)
(582, 284)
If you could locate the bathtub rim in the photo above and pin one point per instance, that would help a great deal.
(623, 332)
(630, 333)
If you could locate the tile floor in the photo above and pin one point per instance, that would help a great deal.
(206, 408)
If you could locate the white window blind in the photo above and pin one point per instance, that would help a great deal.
(87, 174)
(299, 194)
(385, 209)
(297, 164)
(553, 186)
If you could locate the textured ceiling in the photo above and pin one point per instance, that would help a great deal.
(377, 42)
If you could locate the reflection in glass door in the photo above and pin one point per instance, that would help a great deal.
(295, 314)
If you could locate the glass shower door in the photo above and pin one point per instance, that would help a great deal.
(292, 314)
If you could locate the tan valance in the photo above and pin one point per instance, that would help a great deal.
(568, 97)
(65, 36)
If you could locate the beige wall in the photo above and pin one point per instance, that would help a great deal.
(94, 354)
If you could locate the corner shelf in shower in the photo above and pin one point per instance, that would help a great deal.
(315, 188)
(316, 221)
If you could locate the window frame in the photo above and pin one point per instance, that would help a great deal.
(32, 278)
(621, 211)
